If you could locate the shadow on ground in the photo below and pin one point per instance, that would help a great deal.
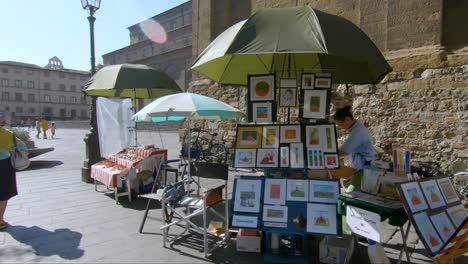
(43, 164)
(62, 242)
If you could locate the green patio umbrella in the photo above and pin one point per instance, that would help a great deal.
(288, 42)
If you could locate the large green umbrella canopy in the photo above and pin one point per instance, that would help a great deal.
(289, 41)
(131, 81)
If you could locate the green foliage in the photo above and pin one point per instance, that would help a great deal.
(22, 134)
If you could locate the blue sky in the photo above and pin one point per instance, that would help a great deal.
(33, 31)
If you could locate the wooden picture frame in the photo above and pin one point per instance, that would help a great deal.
(315, 158)
(275, 213)
(315, 104)
(245, 158)
(267, 158)
(332, 160)
(171, 176)
(270, 137)
(275, 191)
(262, 112)
(284, 156)
(324, 191)
(249, 137)
(313, 136)
(328, 138)
(296, 155)
(288, 97)
(307, 81)
(262, 87)
(290, 134)
(322, 219)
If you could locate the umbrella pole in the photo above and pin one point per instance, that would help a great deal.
(134, 112)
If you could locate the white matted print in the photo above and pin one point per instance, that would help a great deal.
(447, 189)
(296, 155)
(247, 195)
(328, 138)
(332, 160)
(290, 134)
(275, 191)
(267, 158)
(313, 136)
(245, 158)
(315, 158)
(308, 81)
(432, 193)
(443, 225)
(429, 235)
(323, 81)
(262, 112)
(297, 190)
(322, 219)
(324, 191)
(288, 83)
(413, 196)
(275, 213)
(457, 213)
(262, 87)
(315, 104)
(284, 156)
(244, 221)
(287, 97)
(270, 137)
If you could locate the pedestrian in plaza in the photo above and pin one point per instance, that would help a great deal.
(45, 127)
(8, 187)
(38, 128)
(52, 130)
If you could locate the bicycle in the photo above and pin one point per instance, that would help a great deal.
(210, 150)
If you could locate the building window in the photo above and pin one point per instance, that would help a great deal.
(73, 100)
(83, 113)
(5, 96)
(18, 70)
(62, 87)
(73, 113)
(72, 77)
(18, 83)
(30, 72)
(31, 110)
(83, 100)
(73, 88)
(46, 86)
(47, 98)
(5, 82)
(4, 70)
(30, 84)
(18, 97)
(62, 99)
(48, 110)
(19, 109)
(62, 75)
(46, 74)
(31, 97)
(62, 112)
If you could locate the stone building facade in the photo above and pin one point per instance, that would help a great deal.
(421, 104)
(30, 91)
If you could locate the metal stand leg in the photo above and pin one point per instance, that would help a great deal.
(404, 236)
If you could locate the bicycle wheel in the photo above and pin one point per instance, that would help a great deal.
(217, 153)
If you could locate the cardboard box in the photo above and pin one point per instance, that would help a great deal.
(336, 250)
(249, 243)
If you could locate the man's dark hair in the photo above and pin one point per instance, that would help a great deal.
(342, 113)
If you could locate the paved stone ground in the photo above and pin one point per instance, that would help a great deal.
(56, 218)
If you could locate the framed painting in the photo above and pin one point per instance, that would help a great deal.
(275, 191)
(288, 83)
(443, 225)
(244, 221)
(297, 190)
(447, 189)
(315, 158)
(262, 112)
(270, 137)
(323, 80)
(322, 219)
(245, 158)
(171, 176)
(432, 193)
(413, 196)
(332, 160)
(290, 134)
(247, 195)
(315, 104)
(275, 213)
(308, 81)
(262, 87)
(329, 138)
(249, 137)
(284, 156)
(324, 191)
(267, 158)
(296, 155)
(313, 136)
(427, 233)
(457, 213)
(287, 97)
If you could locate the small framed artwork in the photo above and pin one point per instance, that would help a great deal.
(267, 158)
(308, 81)
(287, 97)
(270, 137)
(247, 195)
(427, 232)
(275, 191)
(313, 136)
(457, 213)
(324, 191)
(315, 158)
(322, 219)
(296, 155)
(413, 196)
(332, 160)
(288, 83)
(245, 158)
(297, 190)
(262, 87)
(249, 137)
(244, 221)
(323, 80)
(290, 134)
(275, 213)
(443, 225)
(329, 138)
(172, 175)
(284, 156)
(262, 112)
(315, 104)
(447, 189)
(432, 193)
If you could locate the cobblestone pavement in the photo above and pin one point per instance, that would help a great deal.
(56, 218)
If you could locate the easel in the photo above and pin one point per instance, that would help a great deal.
(457, 246)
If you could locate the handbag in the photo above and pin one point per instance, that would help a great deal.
(19, 160)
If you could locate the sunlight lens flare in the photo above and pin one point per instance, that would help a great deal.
(154, 31)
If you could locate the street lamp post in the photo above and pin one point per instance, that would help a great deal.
(91, 139)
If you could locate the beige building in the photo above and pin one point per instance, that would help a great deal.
(29, 91)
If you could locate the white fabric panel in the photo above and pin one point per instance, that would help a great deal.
(114, 116)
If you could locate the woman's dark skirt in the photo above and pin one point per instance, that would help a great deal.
(7, 180)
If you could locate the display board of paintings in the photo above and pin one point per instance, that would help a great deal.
(314, 100)
(247, 205)
(435, 210)
(261, 106)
